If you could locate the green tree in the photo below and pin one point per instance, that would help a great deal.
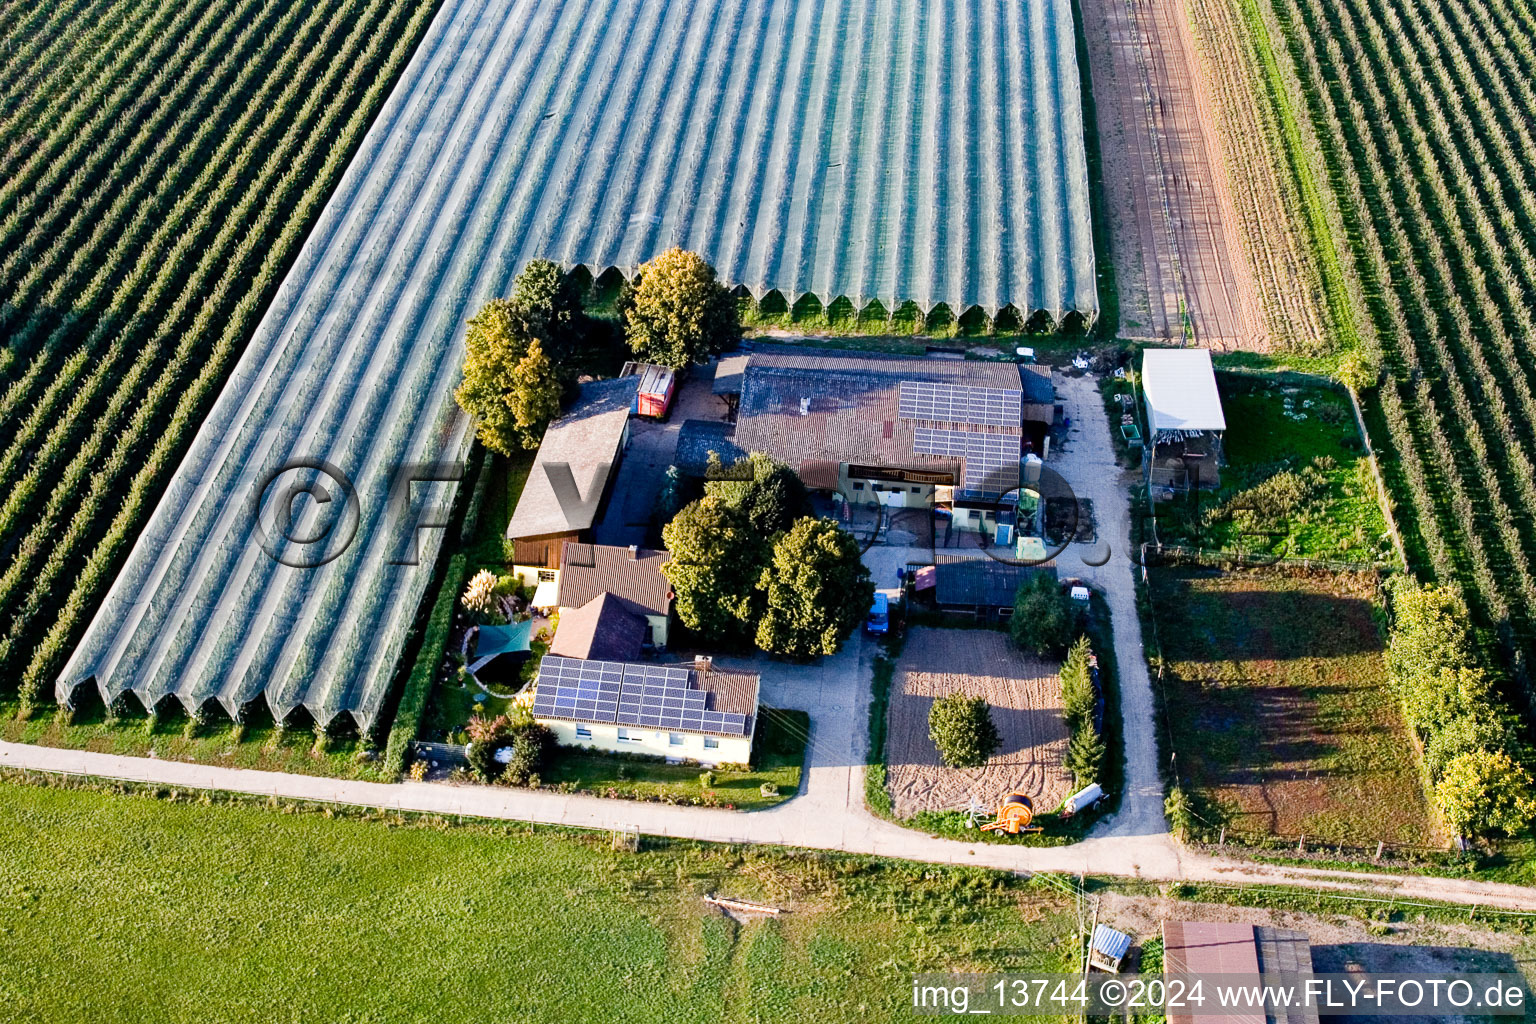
(961, 728)
(817, 590)
(536, 390)
(1433, 700)
(1480, 730)
(717, 559)
(677, 313)
(775, 500)
(1484, 791)
(547, 304)
(1077, 696)
(1044, 619)
(1085, 755)
(510, 385)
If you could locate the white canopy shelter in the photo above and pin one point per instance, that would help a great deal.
(1180, 385)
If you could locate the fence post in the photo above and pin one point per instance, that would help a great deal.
(1223, 840)
(1301, 844)
(1379, 846)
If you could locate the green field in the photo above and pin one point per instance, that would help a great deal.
(1280, 426)
(1276, 699)
(116, 908)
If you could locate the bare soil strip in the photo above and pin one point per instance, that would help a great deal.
(1175, 228)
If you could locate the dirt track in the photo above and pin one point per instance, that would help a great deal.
(1025, 694)
(1174, 226)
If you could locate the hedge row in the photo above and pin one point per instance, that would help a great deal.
(418, 686)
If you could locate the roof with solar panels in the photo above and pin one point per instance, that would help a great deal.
(645, 695)
(943, 415)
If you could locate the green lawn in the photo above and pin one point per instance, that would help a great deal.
(118, 908)
(778, 756)
(1272, 427)
(1277, 701)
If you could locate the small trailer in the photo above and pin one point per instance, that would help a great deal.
(657, 386)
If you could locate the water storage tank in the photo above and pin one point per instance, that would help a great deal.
(1084, 797)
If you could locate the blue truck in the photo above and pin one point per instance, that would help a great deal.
(879, 620)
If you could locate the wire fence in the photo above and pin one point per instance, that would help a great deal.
(1159, 555)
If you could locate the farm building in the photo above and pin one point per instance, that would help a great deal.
(980, 586)
(1234, 949)
(697, 712)
(630, 575)
(657, 385)
(1185, 422)
(909, 433)
(571, 477)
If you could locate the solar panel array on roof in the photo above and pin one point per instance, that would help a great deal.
(991, 460)
(961, 403)
(625, 693)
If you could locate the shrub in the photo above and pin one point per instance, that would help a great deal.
(1485, 791)
(1181, 813)
(1044, 619)
(530, 748)
(768, 789)
(961, 728)
(480, 595)
(707, 780)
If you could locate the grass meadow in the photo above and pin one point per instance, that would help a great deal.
(1276, 698)
(121, 907)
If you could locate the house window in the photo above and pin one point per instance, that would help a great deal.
(583, 732)
(710, 743)
(625, 737)
(546, 575)
(858, 486)
(917, 490)
(674, 739)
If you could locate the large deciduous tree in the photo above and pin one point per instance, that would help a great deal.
(716, 560)
(817, 590)
(517, 355)
(677, 313)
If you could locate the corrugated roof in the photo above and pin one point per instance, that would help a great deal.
(1180, 385)
(978, 580)
(588, 570)
(1111, 943)
(586, 440)
(806, 405)
(728, 373)
(1210, 947)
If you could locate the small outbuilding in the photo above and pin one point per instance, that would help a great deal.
(1185, 421)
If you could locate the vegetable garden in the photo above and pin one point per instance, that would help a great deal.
(161, 165)
(1422, 113)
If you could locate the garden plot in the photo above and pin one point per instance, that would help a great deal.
(1025, 695)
